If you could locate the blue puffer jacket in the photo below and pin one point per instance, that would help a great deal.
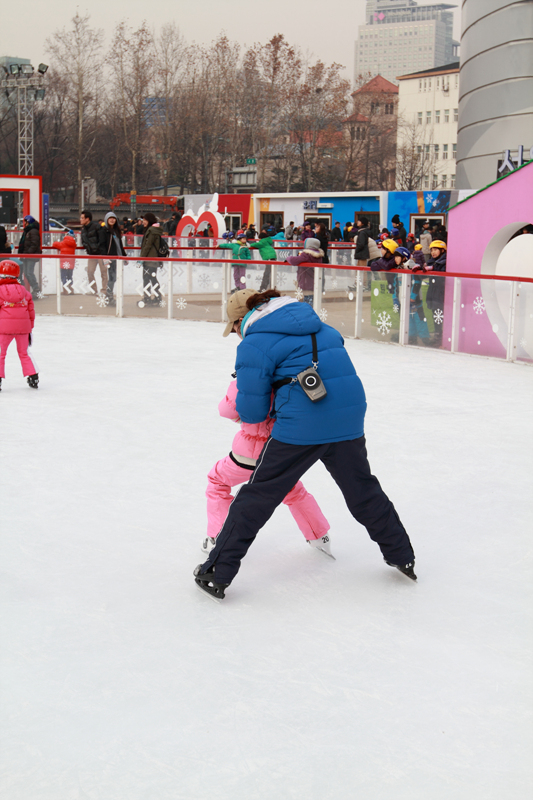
(278, 344)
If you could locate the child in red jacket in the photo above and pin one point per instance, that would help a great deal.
(17, 315)
(67, 248)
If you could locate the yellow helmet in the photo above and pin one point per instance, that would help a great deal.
(439, 244)
(418, 247)
(389, 244)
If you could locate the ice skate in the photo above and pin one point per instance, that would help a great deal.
(406, 569)
(0, 384)
(322, 544)
(33, 381)
(207, 545)
(207, 584)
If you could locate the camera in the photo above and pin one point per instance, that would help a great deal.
(311, 383)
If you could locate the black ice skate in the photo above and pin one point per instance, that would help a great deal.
(406, 569)
(33, 381)
(207, 584)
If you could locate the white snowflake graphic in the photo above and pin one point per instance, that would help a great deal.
(102, 301)
(384, 323)
(204, 280)
(438, 316)
(334, 283)
(479, 305)
(162, 303)
(281, 280)
(429, 198)
(523, 343)
(40, 295)
(323, 314)
(181, 303)
(396, 308)
(299, 294)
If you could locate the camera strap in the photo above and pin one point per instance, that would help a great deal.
(284, 381)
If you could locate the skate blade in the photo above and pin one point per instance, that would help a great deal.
(329, 555)
(208, 594)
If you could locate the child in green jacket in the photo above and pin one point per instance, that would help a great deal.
(266, 249)
(241, 251)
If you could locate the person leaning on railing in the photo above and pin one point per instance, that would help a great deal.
(113, 247)
(435, 295)
(30, 242)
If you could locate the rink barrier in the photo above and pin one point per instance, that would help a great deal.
(487, 315)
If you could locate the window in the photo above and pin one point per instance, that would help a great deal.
(435, 182)
(438, 82)
(446, 115)
(456, 81)
(426, 148)
(454, 151)
(444, 181)
(436, 151)
(419, 86)
(445, 151)
(428, 117)
(426, 182)
(437, 117)
(456, 115)
(420, 117)
(389, 108)
(419, 148)
(452, 181)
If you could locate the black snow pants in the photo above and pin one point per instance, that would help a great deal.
(279, 468)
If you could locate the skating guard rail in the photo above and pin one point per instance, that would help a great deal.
(487, 315)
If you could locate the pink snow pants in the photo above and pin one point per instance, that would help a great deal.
(225, 474)
(22, 340)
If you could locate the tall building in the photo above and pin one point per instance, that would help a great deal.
(496, 98)
(427, 129)
(401, 36)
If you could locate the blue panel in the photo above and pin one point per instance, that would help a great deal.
(404, 204)
(344, 208)
(436, 202)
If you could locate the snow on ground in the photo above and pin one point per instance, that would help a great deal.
(315, 678)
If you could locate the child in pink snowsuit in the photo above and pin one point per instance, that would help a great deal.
(17, 315)
(237, 468)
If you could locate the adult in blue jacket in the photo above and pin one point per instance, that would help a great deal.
(280, 338)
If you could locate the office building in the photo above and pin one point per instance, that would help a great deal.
(401, 37)
(427, 128)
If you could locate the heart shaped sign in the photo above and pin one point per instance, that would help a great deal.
(190, 223)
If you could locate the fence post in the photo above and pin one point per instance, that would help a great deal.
(456, 314)
(59, 285)
(405, 308)
(511, 333)
(317, 289)
(358, 304)
(120, 288)
(226, 282)
(170, 288)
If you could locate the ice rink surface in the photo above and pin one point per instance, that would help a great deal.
(315, 679)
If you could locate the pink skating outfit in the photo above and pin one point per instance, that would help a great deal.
(17, 315)
(227, 472)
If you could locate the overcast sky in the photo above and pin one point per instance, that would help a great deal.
(325, 30)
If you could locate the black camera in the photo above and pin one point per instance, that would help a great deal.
(311, 383)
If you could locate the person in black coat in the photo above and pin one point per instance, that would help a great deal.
(4, 246)
(113, 247)
(362, 253)
(30, 242)
(336, 233)
(92, 239)
(402, 233)
(435, 294)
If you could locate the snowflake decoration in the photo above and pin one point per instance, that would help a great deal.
(181, 303)
(429, 198)
(479, 305)
(40, 295)
(396, 308)
(45, 280)
(102, 301)
(299, 294)
(204, 280)
(258, 277)
(523, 343)
(162, 303)
(323, 314)
(281, 279)
(384, 323)
(334, 283)
(438, 316)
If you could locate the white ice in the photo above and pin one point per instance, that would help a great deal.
(315, 679)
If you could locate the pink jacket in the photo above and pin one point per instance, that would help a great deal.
(17, 312)
(249, 441)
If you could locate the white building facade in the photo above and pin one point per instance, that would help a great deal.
(401, 36)
(428, 104)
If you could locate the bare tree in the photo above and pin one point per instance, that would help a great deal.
(76, 54)
(415, 158)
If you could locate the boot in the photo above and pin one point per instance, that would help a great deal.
(33, 381)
